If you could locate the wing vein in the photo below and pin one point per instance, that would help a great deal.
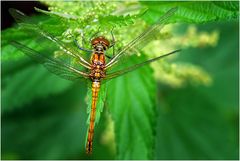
(143, 39)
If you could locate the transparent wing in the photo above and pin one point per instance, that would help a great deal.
(134, 67)
(21, 17)
(17, 15)
(53, 65)
(143, 39)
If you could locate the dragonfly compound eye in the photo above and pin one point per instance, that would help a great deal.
(101, 40)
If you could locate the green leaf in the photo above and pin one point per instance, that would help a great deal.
(228, 5)
(192, 127)
(198, 122)
(12, 34)
(29, 84)
(131, 99)
(193, 12)
(120, 20)
(57, 14)
(49, 128)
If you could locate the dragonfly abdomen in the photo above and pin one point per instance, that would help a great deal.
(95, 90)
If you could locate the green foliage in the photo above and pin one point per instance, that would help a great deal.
(20, 34)
(51, 128)
(194, 12)
(132, 111)
(150, 121)
(202, 122)
(33, 77)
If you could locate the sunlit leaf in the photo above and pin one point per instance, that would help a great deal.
(131, 100)
(193, 12)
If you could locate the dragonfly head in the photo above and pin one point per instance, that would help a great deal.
(100, 43)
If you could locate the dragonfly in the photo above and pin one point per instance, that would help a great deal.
(97, 68)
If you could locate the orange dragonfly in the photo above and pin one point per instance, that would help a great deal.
(98, 68)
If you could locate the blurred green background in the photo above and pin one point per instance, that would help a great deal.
(184, 107)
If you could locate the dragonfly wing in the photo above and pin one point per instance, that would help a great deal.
(67, 50)
(53, 65)
(143, 39)
(21, 18)
(136, 66)
(17, 15)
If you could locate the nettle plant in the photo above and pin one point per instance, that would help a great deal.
(130, 99)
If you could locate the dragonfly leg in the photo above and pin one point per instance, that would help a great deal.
(109, 57)
(83, 40)
(112, 46)
(76, 42)
(81, 48)
(113, 42)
